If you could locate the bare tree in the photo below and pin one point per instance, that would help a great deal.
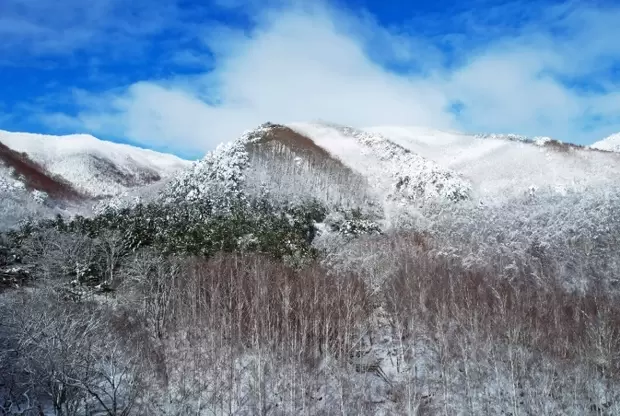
(70, 356)
(113, 248)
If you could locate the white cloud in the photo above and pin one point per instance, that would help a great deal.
(305, 64)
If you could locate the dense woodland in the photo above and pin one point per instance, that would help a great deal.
(223, 297)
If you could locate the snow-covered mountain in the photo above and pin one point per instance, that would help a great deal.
(611, 143)
(340, 166)
(444, 305)
(91, 167)
(391, 169)
(503, 165)
(379, 166)
(19, 175)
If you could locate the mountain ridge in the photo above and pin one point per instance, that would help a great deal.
(610, 143)
(369, 167)
(92, 167)
(33, 176)
(501, 165)
(390, 168)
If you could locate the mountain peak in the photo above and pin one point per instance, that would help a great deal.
(90, 167)
(610, 143)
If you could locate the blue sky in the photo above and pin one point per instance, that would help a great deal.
(184, 75)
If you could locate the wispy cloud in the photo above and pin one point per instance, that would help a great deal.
(543, 73)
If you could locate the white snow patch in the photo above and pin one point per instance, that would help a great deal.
(222, 169)
(504, 165)
(611, 143)
(392, 170)
(92, 165)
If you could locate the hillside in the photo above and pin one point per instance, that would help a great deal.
(611, 143)
(21, 173)
(339, 166)
(387, 171)
(393, 171)
(93, 167)
(500, 166)
(319, 269)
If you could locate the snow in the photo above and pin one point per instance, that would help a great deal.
(537, 140)
(392, 170)
(8, 183)
(403, 164)
(504, 165)
(611, 143)
(97, 167)
(220, 172)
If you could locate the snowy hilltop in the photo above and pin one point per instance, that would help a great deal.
(342, 168)
(611, 143)
(94, 167)
(501, 166)
(391, 168)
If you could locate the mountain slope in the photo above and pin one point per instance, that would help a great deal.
(611, 143)
(369, 168)
(500, 165)
(21, 173)
(93, 167)
(341, 168)
(394, 171)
